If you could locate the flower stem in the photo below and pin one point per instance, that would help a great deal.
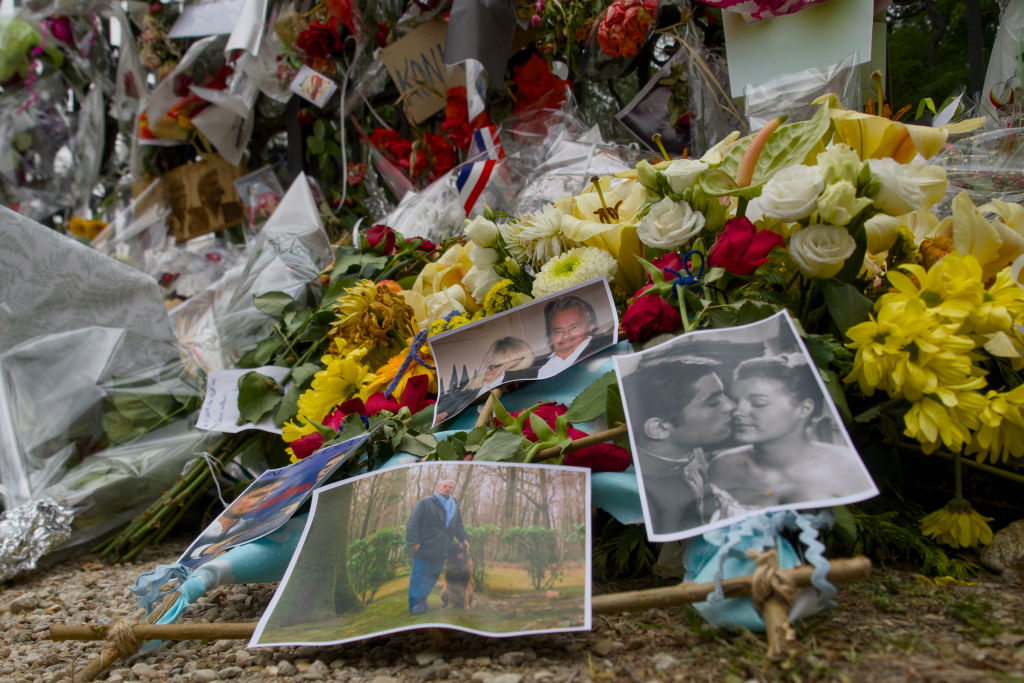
(958, 484)
(657, 140)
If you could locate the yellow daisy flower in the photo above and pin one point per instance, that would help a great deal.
(1000, 434)
(947, 422)
(951, 288)
(385, 373)
(1000, 306)
(341, 379)
(957, 525)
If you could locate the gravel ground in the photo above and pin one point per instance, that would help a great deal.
(891, 627)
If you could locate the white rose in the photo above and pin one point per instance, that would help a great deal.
(482, 256)
(898, 191)
(481, 231)
(479, 281)
(668, 225)
(839, 203)
(821, 250)
(840, 162)
(682, 173)
(881, 230)
(792, 193)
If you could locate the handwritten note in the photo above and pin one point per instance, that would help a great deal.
(219, 412)
(416, 65)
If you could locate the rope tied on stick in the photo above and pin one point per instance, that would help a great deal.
(121, 642)
(768, 582)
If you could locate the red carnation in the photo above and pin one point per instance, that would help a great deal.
(740, 248)
(537, 86)
(648, 316)
(307, 445)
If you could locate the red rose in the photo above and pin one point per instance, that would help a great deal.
(307, 445)
(623, 28)
(381, 239)
(602, 457)
(414, 397)
(740, 248)
(424, 245)
(60, 28)
(548, 412)
(667, 262)
(649, 315)
(319, 40)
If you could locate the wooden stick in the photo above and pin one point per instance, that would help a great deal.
(841, 571)
(582, 442)
(487, 410)
(775, 613)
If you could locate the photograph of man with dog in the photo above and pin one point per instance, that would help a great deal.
(497, 549)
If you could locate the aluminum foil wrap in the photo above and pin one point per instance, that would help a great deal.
(30, 531)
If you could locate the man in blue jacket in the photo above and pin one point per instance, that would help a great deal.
(434, 524)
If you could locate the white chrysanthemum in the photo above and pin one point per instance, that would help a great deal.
(536, 238)
(572, 268)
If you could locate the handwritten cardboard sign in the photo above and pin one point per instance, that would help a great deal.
(416, 65)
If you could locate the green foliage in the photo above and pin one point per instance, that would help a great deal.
(916, 33)
(373, 561)
(590, 403)
(538, 547)
(257, 396)
(480, 537)
(893, 535)
(622, 552)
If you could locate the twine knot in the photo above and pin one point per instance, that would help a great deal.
(689, 278)
(411, 355)
(768, 581)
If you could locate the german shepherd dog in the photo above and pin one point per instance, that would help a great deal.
(458, 578)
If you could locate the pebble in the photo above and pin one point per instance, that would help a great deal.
(203, 676)
(1006, 551)
(425, 658)
(663, 661)
(23, 604)
(507, 678)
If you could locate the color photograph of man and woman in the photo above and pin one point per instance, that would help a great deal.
(530, 342)
(726, 424)
(497, 549)
(268, 502)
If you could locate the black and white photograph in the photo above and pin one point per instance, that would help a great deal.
(535, 341)
(726, 424)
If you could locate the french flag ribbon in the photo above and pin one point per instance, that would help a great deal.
(487, 142)
(471, 181)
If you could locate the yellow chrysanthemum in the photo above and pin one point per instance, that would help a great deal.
(84, 227)
(374, 317)
(951, 288)
(1000, 434)
(342, 378)
(502, 297)
(1001, 305)
(957, 525)
(948, 422)
(905, 351)
(385, 373)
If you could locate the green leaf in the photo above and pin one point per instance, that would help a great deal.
(499, 446)
(541, 428)
(502, 415)
(314, 146)
(846, 305)
(717, 183)
(477, 435)
(422, 421)
(302, 375)
(446, 451)
(845, 528)
(262, 354)
(791, 144)
(257, 396)
(272, 303)
(615, 414)
(295, 319)
(589, 404)
(420, 446)
(319, 130)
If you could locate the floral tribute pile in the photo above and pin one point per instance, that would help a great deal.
(914, 319)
